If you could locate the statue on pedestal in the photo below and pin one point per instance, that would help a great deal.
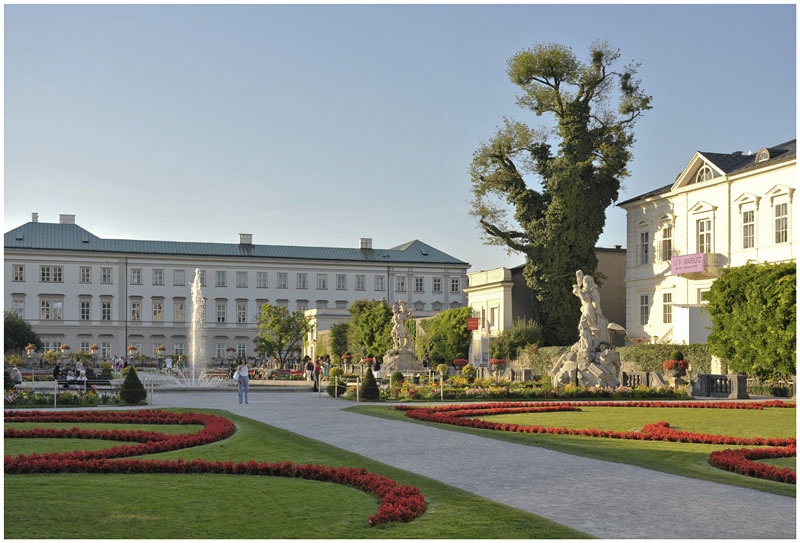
(592, 361)
(400, 338)
(401, 356)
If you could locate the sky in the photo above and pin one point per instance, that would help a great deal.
(317, 125)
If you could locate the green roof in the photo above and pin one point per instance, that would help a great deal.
(71, 237)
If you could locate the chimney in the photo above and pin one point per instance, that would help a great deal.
(66, 219)
(245, 239)
(34, 217)
(617, 246)
(365, 243)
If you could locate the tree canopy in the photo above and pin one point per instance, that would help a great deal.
(754, 316)
(446, 336)
(280, 332)
(370, 329)
(18, 333)
(578, 164)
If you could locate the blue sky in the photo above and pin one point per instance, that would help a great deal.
(319, 124)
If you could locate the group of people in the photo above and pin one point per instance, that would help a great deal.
(77, 375)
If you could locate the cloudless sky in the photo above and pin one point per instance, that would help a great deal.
(319, 124)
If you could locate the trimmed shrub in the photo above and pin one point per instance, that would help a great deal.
(651, 357)
(369, 388)
(469, 371)
(132, 390)
(106, 370)
(510, 341)
(397, 379)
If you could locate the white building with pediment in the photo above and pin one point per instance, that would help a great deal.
(723, 210)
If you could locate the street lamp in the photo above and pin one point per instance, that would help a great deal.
(31, 350)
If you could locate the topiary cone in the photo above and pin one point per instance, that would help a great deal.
(132, 390)
(369, 388)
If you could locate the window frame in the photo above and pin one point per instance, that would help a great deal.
(136, 276)
(106, 275)
(221, 278)
(18, 273)
(157, 275)
(644, 309)
(781, 231)
(666, 307)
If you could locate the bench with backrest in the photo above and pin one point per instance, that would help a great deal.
(89, 383)
(285, 374)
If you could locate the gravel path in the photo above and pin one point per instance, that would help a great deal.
(607, 500)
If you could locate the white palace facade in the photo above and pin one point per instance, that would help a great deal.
(722, 211)
(78, 289)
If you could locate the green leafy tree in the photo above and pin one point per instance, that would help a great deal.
(754, 316)
(370, 329)
(280, 332)
(511, 340)
(556, 225)
(446, 336)
(18, 333)
(338, 342)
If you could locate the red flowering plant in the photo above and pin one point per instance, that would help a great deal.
(676, 365)
(368, 360)
(497, 361)
(398, 503)
(459, 362)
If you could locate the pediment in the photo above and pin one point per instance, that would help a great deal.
(779, 190)
(666, 218)
(702, 207)
(689, 175)
(746, 198)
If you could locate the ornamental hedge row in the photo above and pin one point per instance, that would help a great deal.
(398, 502)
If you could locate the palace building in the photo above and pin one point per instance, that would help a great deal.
(78, 289)
(723, 210)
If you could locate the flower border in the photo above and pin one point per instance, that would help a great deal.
(398, 503)
(731, 460)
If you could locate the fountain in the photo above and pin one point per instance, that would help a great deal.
(196, 375)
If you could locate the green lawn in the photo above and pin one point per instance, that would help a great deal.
(687, 459)
(230, 506)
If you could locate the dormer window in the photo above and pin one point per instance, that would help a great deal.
(704, 174)
(763, 155)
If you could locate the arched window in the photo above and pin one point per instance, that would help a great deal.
(704, 174)
(763, 155)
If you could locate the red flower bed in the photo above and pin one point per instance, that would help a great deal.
(741, 461)
(399, 503)
(660, 431)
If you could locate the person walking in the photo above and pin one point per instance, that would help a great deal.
(56, 371)
(309, 368)
(244, 379)
(317, 374)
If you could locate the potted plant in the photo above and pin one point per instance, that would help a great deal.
(460, 362)
(676, 368)
(497, 363)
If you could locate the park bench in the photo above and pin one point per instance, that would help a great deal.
(285, 374)
(63, 384)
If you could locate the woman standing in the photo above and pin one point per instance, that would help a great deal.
(244, 379)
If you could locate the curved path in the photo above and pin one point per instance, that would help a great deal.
(604, 499)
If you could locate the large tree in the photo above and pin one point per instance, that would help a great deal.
(18, 333)
(558, 181)
(370, 329)
(280, 332)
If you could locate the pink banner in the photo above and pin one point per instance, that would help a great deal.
(688, 263)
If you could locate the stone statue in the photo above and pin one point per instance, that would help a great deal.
(592, 361)
(400, 338)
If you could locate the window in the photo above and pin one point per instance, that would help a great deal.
(179, 349)
(44, 313)
(666, 308)
(419, 284)
(704, 174)
(241, 350)
(644, 309)
(644, 247)
(261, 279)
(220, 350)
(702, 296)
(18, 306)
(105, 349)
(222, 279)
(748, 229)
(781, 223)
(762, 156)
(437, 284)
(105, 276)
(302, 280)
(158, 276)
(666, 243)
(322, 281)
(302, 305)
(341, 304)
(361, 282)
(380, 282)
(455, 285)
(202, 278)
(400, 283)
(704, 236)
(419, 306)
(158, 311)
(241, 279)
(221, 306)
(85, 274)
(84, 346)
(341, 281)
(19, 272)
(85, 310)
(283, 280)
(136, 311)
(52, 274)
(180, 312)
(136, 276)
(178, 278)
(241, 312)
(105, 310)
